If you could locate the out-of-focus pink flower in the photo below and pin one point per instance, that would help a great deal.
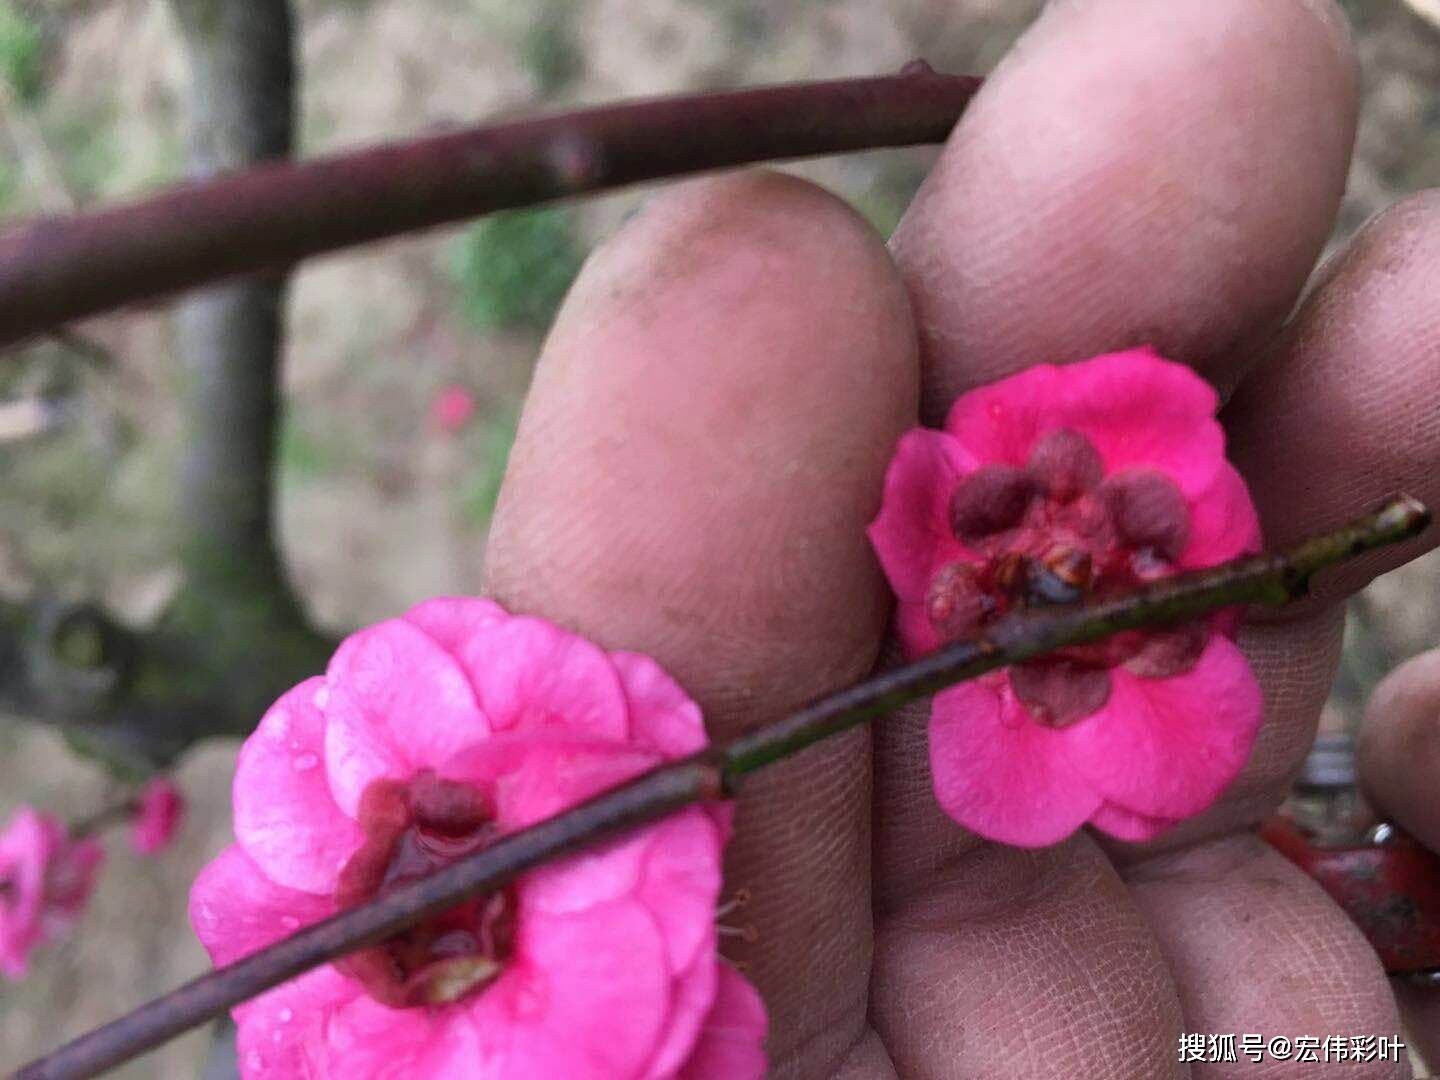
(429, 737)
(1052, 485)
(158, 816)
(452, 408)
(45, 880)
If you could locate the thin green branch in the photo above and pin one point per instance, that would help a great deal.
(1270, 579)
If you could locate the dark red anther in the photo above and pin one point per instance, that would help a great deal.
(1389, 886)
(955, 603)
(1161, 654)
(1060, 692)
(1065, 464)
(990, 500)
(1149, 511)
(1010, 572)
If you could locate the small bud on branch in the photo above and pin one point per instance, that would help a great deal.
(1270, 579)
(55, 270)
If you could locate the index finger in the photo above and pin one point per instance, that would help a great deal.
(700, 453)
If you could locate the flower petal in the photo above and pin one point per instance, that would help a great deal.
(285, 817)
(999, 773)
(912, 535)
(1223, 522)
(1137, 408)
(690, 1003)
(365, 1040)
(235, 909)
(450, 620)
(529, 673)
(680, 883)
(401, 704)
(916, 632)
(999, 423)
(731, 1044)
(1166, 748)
(662, 716)
(1125, 825)
(281, 1032)
(586, 997)
(536, 775)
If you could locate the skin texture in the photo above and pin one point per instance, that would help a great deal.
(704, 445)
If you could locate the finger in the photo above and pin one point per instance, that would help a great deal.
(702, 448)
(1257, 947)
(1398, 750)
(1114, 184)
(1399, 759)
(1342, 411)
(1023, 963)
(1134, 173)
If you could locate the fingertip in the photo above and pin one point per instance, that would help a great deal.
(706, 436)
(1342, 412)
(1133, 173)
(1398, 749)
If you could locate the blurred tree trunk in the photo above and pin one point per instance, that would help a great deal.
(235, 638)
(230, 338)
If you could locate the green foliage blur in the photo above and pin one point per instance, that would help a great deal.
(483, 491)
(22, 53)
(512, 270)
(549, 52)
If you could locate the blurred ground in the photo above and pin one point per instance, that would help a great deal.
(380, 508)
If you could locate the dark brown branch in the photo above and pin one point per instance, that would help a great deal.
(55, 270)
(1273, 579)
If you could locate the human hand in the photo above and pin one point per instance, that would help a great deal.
(705, 443)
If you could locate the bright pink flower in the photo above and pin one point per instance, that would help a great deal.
(157, 819)
(45, 880)
(1051, 485)
(428, 737)
(452, 408)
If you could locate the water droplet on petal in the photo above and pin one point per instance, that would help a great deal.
(305, 762)
(322, 697)
(286, 1015)
(289, 922)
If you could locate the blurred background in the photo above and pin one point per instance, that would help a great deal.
(405, 364)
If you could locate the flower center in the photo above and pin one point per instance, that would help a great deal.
(1055, 532)
(412, 829)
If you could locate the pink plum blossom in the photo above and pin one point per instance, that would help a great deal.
(452, 408)
(45, 880)
(157, 818)
(428, 737)
(1047, 487)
